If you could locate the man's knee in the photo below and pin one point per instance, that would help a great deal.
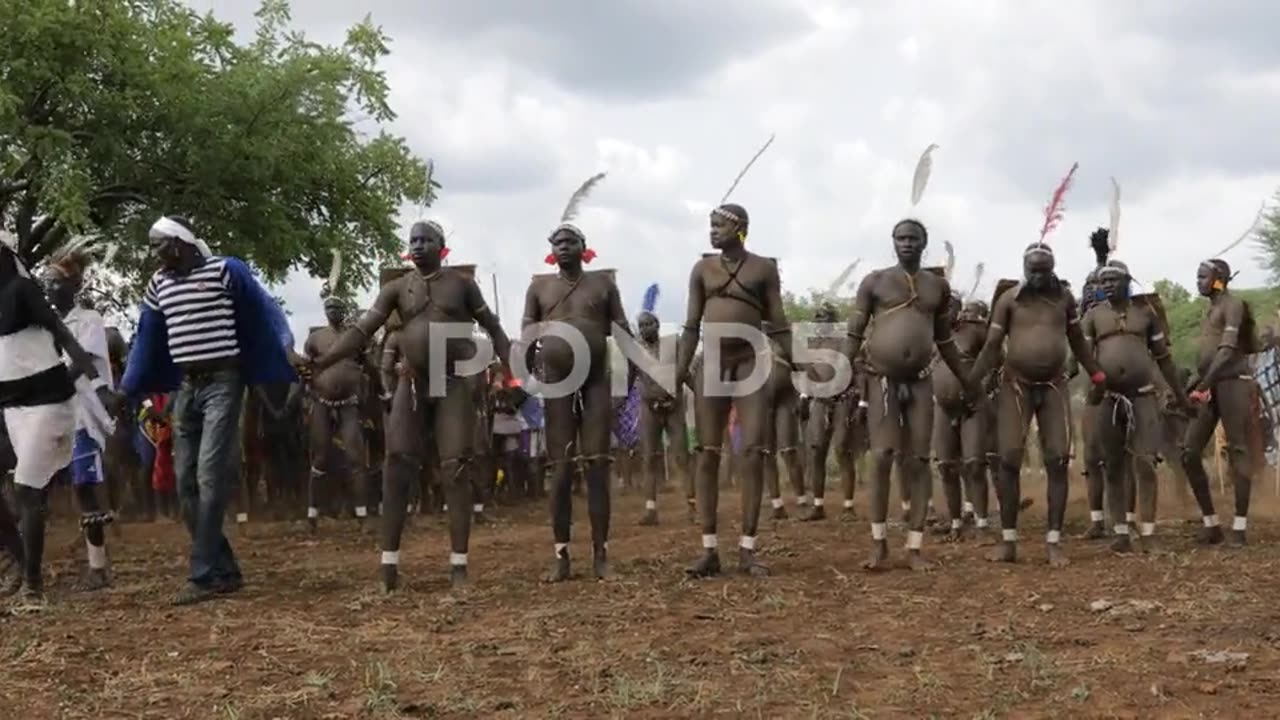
(1056, 460)
(1189, 458)
(948, 468)
(1011, 459)
(1240, 460)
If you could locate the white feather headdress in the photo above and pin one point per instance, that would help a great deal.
(574, 205)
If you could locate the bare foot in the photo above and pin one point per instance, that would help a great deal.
(693, 513)
(93, 580)
(1237, 539)
(1005, 552)
(650, 518)
(1122, 544)
(559, 569)
(389, 577)
(1148, 544)
(917, 562)
(748, 565)
(1210, 535)
(879, 559)
(458, 576)
(848, 515)
(780, 513)
(707, 566)
(1025, 503)
(1057, 556)
(600, 564)
(1096, 531)
(814, 514)
(953, 535)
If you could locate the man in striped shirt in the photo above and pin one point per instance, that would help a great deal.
(207, 329)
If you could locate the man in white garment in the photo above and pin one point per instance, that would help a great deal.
(36, 393)
(64, 279)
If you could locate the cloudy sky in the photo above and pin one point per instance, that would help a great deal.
(518, 102)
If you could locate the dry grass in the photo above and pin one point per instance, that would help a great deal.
(311, 638)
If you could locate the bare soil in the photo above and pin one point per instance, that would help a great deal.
(1180, 632)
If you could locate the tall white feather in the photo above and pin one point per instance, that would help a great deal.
(335, 272)
(1113, 234)
(575, 200)
(921, 179)
(977, 279)
(842, 278)
(1253, 228)
(949, 271)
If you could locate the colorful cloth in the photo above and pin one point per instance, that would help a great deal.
(86, 460)
(626, 424)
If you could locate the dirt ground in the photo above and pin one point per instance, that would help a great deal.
(1181, 632)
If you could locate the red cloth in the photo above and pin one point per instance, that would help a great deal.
(163, 478)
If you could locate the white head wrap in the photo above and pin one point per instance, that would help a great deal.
(10, 241)
(167, 228)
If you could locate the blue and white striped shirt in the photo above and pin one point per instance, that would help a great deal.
(198, 311)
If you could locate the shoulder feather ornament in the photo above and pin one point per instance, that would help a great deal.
(1248, 234)
(335, 271)
(1053, 211)
(920, 180)
(745, 168)
(950, 267)
(1113, 231)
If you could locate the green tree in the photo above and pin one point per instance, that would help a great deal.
(114, 111)
(1267, 236)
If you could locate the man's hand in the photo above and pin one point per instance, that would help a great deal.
(1200, 397)
(110, 399)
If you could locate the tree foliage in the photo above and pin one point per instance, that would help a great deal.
(115, 111)
(1267, 237)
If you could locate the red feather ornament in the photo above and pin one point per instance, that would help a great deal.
(444, 253)
(1053, 211)
(587, 256)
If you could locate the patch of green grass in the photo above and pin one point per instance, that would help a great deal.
(380, 690)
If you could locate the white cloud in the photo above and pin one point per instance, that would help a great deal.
(519, 107)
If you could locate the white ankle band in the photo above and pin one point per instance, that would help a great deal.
(956, 524)
(390, 557)
(97, 556)
(650, 505)
(906, 507)
(879, 531)
(806, 499)
(1147, 529)
(968, 506)
(1239, 523)
(848, 504)
(362, 511)
(1211, 521)
(477, 508)
(1009, 535)
(1096, 516)
(982, 523)
(1130, 517)
(747, 543)
(1053, 537)
(710, 542)
(915, 540)
(1122, 529)
(313, 513)
(458, 559)
(242, 518)
(776, 502)
(561, 549)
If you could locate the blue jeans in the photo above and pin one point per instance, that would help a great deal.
(206, 460)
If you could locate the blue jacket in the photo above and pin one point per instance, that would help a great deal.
(261, 330)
